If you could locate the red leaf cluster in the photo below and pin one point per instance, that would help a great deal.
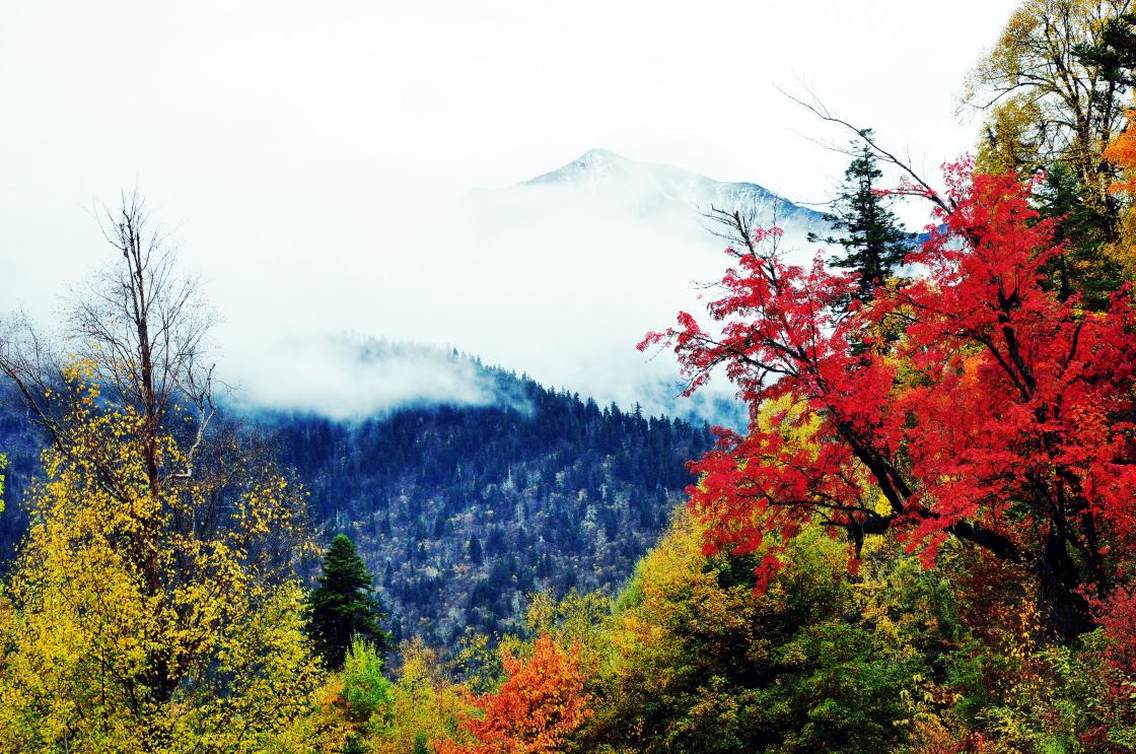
(999, 414)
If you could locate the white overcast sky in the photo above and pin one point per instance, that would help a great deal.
(305, 155)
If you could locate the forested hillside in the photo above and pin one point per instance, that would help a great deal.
(460, 511)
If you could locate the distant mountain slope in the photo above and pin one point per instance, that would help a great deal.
(601, 171)
(580, 262)
(21, 443)
(460, 510)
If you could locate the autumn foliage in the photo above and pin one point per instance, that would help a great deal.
(966, 424)
(1122, 153)
(980, 407)
(540, 703)
(118, 626)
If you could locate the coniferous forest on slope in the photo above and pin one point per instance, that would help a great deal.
(922, 542)
(461, 513)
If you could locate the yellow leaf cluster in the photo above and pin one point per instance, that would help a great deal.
(136, 618)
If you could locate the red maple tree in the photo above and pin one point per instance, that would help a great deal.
(971, 399)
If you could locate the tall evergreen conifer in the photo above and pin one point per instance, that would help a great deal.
(343, 606)
(874, 241)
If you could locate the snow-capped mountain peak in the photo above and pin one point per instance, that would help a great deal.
(602, 172)
(593, 165)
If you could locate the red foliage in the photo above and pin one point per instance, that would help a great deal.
(1117, 615)
(541, 702)
(1002, 415)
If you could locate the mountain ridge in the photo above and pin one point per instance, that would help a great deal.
(598, 169)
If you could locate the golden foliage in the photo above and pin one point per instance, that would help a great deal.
(1045, 102)
(426, 706)
(1010, 144)
(127, 624)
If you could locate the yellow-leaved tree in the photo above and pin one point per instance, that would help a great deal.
(153, 604)
(1052, 90)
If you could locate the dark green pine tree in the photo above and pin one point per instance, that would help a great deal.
(1083, 267)
(343, 605)
(874, 241)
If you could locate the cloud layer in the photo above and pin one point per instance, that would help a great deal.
(347, 377)
(314, 162)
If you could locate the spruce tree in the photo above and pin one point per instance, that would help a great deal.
(1083, 267)
(874, 241)
(343, 606)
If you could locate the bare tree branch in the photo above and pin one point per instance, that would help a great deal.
(927, 190)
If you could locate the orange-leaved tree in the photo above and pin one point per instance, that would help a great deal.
(1122, 153)
(540, 704)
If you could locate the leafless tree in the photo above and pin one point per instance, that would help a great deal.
(142, 329)
(735, 225)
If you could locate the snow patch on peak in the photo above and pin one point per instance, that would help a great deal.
(599, 155)
(603, 173)
(593, 165)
